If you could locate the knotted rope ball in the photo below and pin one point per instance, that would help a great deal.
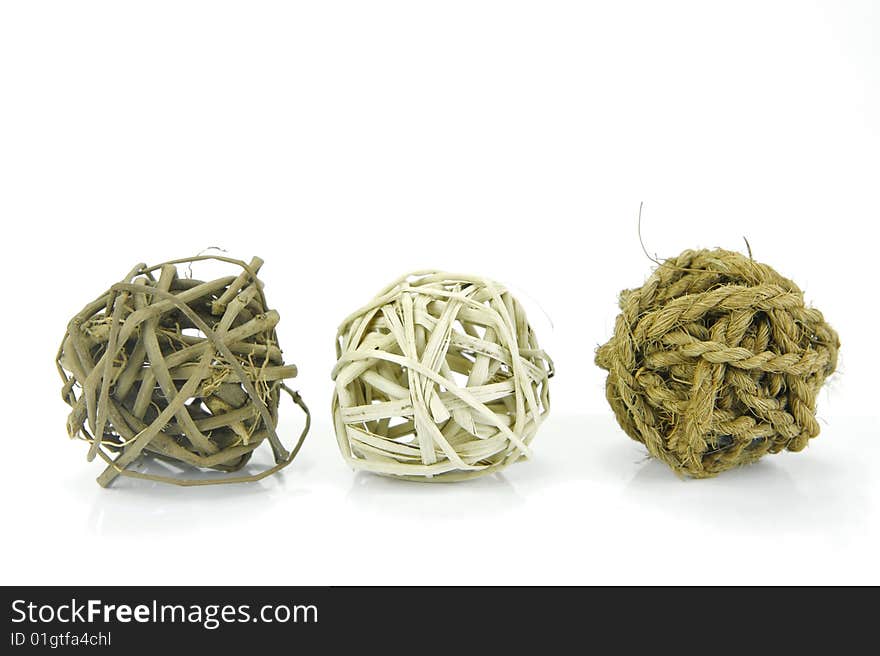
(439, 378)
(187, 371)
(716, 361)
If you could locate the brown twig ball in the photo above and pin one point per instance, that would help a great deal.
(439, 378)
(716, 361)
(186, 371)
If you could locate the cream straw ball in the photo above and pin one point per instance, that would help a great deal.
(439, 378)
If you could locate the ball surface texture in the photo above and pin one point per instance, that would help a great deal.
(439, 378)
(186, 371)
(716, 361)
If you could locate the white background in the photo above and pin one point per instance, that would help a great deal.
(349, 142)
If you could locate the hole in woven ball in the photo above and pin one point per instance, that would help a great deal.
(458, 378)
(111, 439)
(722, 442)
(472, 329)
(756, 442)
(198, 410)
(400, 430)
(193, 332)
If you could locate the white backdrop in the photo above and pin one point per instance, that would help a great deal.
(347, 143)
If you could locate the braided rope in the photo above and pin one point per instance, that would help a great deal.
(187, 371)
(716, 361)
(439, 378)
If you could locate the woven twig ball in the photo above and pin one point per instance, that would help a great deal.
(439, 378)
(716, 361)
(187, 371)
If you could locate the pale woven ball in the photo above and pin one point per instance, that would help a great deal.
(439, 378)
(716, 361)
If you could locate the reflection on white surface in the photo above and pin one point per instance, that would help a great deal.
(134, 506)
(821, 498)
(145, 507)
(494, 494)
(589, 508)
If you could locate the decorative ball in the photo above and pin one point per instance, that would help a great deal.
(716, 361)
(186, 371)
(439, 378)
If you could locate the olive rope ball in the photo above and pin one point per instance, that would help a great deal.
(439, 378)
(716, 361)
(186, 371)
